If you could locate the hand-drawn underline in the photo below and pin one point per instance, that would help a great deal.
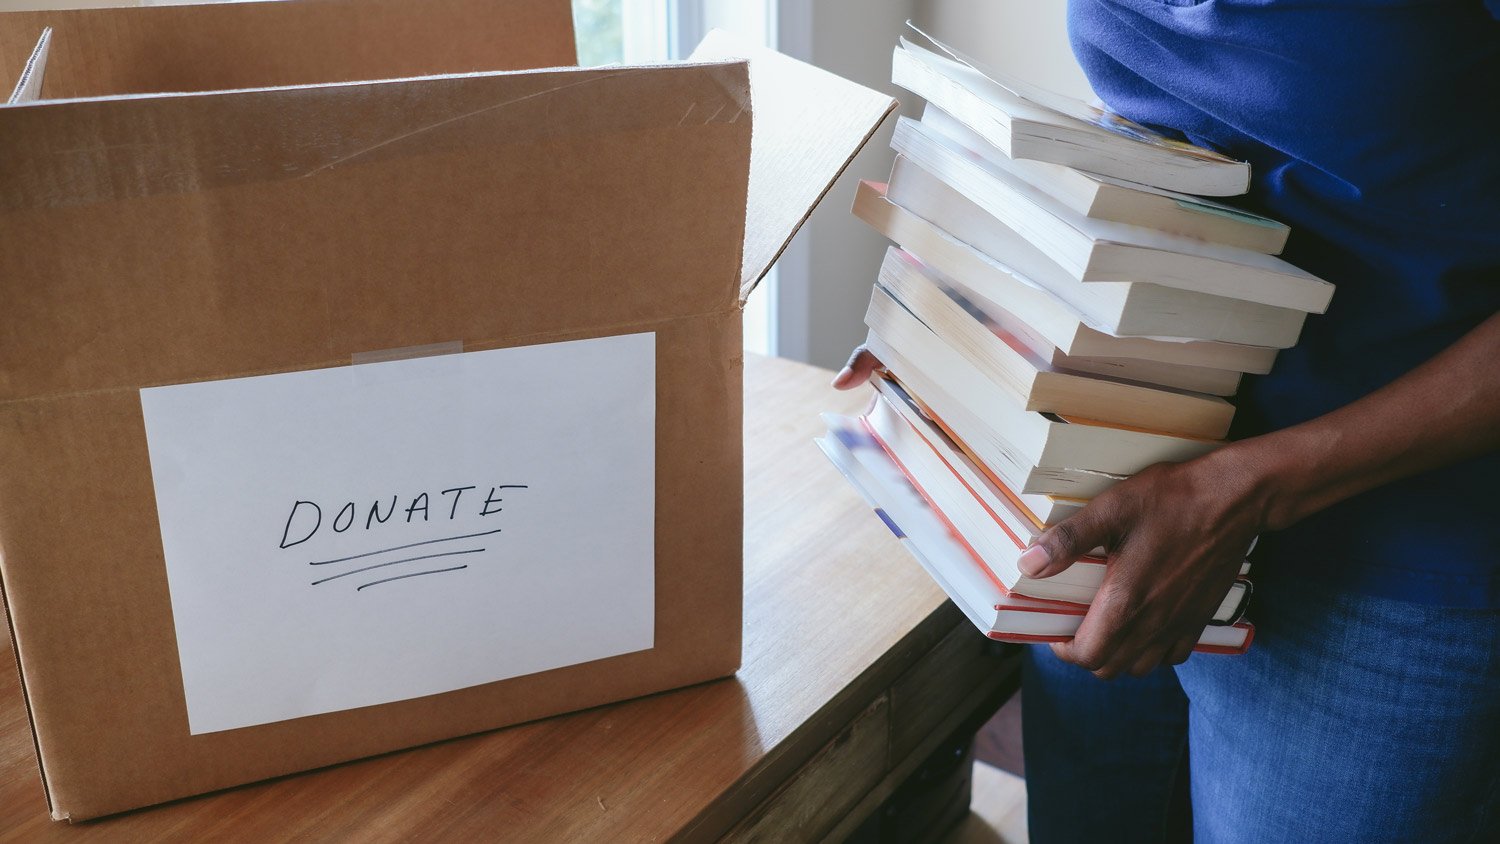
(396, 562)
(404, 547)
(402, 560)
(413, 574)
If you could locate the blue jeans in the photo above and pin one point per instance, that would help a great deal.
(1351, 719)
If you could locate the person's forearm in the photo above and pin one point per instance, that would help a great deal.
(1443, 411)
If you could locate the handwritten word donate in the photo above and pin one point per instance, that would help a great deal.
(307, 518)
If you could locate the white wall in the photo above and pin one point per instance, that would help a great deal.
(824, 278)
(1024, 38)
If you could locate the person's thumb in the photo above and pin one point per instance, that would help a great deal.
(1064, 544)
(857, 370)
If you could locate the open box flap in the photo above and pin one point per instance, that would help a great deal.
(809, 124)
(29, 85)
(226, 46)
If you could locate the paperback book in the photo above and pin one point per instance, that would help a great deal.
(1026, 122)
(997, 612)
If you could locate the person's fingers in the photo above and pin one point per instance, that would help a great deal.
(1062, 545)
(1182, 650)
(1090, 655)
(857, 370)
(1131, 625)
(1149, 660)
(1165, 575)
(1093, 648)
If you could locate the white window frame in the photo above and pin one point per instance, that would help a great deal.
(687, 22)
(647, 36)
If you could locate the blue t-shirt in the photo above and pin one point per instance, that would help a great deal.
(1373, 130)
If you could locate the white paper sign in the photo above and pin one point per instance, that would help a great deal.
(365, 534)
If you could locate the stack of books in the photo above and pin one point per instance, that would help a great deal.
(1062, 310)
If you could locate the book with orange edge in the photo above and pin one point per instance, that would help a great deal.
(931, 427)
(973, 509)
(998, 614)
(1041, 510)
(905, 294)
(1032, 451)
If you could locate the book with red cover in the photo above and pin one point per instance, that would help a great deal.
(952, 563)
(983, 514)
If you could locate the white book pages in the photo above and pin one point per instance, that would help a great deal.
(1073, 133)
(1104, 197)
(1120, 308)
(1071, 330)
(1090, 250)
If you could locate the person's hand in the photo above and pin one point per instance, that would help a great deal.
(1176, 535)
(857, 371)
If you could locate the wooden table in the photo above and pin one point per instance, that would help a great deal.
(855, 670)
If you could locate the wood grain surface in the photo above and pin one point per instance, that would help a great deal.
(835, 613)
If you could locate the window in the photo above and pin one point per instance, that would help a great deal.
(624, 31)
(599, 27)
(644, 31)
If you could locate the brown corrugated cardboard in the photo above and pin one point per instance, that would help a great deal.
(29, 84)
(808, 124)
(155, 240)
(224, 46)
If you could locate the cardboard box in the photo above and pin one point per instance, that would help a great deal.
(312, 219)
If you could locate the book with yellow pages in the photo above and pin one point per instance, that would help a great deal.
(1039, 510)
(1034, 452)
(925, 323)
(952, 309)
(1022, 379)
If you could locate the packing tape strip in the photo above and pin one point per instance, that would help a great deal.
(370, 376)
(452, 347)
